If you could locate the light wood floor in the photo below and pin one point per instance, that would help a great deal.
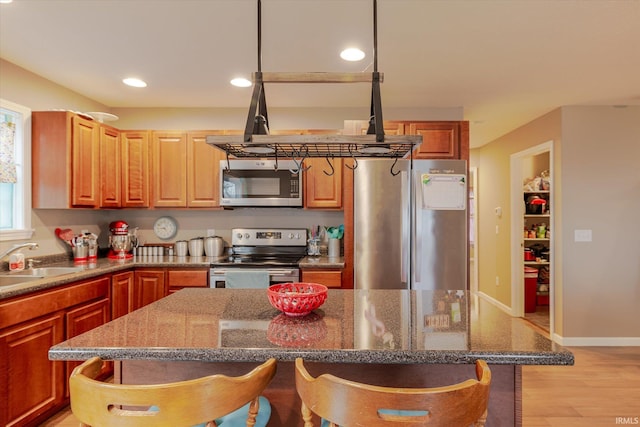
(540, 318)
(604, 384)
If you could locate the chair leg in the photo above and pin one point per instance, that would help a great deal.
(254, 406)
(482, 420)
(306, 416)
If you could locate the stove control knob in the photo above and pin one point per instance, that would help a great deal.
(296, 236)
(246, 235)
(290, 236)
(239, 235)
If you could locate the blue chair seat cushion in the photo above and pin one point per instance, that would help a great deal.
(238, 418)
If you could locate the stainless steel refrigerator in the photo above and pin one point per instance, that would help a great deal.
(411, 225)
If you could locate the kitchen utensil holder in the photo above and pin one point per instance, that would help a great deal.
(334, 248)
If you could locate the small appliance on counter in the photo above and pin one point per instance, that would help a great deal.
(121, 240)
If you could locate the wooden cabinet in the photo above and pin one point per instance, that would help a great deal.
(149, 286)
(185, 170)
(121, 294)
(85, 151)
(323, 180)
(82, 319)
(110, 168)
(169, 169)
(65, 160)
(440, 140)
(187, 278)
(323, 183)
(203, 171)
(31, 383)
(34, 387)
(135, 169)
(331, 278)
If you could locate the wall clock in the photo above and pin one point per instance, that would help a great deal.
(165, 227)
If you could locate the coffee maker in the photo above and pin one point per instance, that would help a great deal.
(121, 240)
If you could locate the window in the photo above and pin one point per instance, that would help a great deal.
(15, 171)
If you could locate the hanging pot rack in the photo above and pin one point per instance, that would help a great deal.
(256, 141)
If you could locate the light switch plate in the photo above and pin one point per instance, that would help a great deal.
(582, 235)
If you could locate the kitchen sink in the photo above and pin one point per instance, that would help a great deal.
(53, 271)
(8, 280)
(35, 273)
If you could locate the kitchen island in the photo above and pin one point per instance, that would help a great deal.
(386, 337)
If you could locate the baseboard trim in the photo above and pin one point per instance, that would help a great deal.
(597, 341)
(495, 302)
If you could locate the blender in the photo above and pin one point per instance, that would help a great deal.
(121, 241)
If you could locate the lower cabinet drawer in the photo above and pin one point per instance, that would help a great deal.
(329, 278)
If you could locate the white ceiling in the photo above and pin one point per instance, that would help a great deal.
(504, 62)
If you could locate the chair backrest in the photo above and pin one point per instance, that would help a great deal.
(347, 403)
(183, 403)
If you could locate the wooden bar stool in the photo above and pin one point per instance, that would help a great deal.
(232, 401)
(348, 403)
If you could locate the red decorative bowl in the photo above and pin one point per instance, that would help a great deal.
(297, 299)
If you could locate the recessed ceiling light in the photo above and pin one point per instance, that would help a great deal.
(240, 82)
(352, 54)
(5, 1)
(131, 81)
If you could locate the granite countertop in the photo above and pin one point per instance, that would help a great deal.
(106, 265)
(375, 326)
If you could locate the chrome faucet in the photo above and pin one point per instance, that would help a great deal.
(29, 245)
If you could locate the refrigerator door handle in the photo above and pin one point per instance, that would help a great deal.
(417, 221)
(406, 227)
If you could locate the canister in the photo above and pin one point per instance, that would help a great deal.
(196, 247)
(334, 248)
(181, 248)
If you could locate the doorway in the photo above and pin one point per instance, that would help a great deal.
(473, 229)
(532, 229)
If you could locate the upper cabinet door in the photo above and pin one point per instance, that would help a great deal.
(441, 140)
(64, 160)
(110, 168)
(323, 183)
(85, 150)
(203, 171)
(135, 169)
(169, 165)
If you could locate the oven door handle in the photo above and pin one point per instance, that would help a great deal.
(272, 272)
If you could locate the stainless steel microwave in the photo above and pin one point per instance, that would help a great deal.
(255, 183)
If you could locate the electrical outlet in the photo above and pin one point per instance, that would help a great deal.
(211, 232)
(497, 281)
(582, 236)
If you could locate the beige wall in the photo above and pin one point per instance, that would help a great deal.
(597, 187)
(601, 192)
(494, 186)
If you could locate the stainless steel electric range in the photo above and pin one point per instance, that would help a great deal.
(275, 250)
